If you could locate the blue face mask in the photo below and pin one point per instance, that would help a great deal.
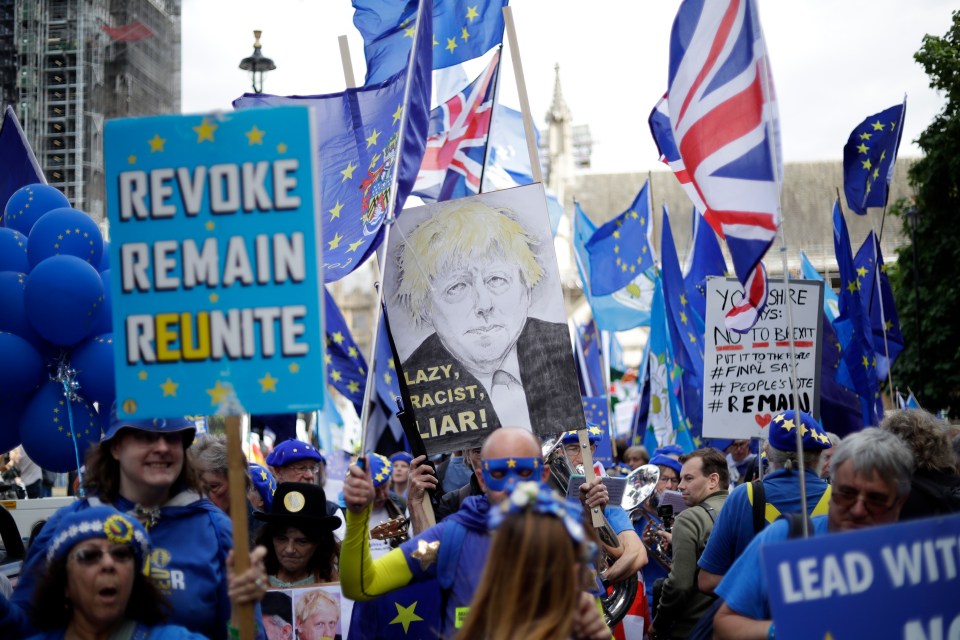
(500, 474)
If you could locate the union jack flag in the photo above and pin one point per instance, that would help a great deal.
(452, 165)
(724, 120)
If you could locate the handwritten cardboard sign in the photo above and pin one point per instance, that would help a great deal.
(215, 263)
(747, 377)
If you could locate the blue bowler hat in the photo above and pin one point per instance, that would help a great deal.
(290, 451)
(783, 432)
(156, 425)
(593, 433)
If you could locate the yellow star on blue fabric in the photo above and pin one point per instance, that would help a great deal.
(406, 615)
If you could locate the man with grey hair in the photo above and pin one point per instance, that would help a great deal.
(871, 473)
(471, 272)
(754, 505)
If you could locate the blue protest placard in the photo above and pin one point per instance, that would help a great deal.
(215, 258)
(898, 581)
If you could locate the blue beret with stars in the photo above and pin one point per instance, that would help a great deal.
(783, 436)
(380, 468)
(265, 484)
(593, 433)
(290, 451)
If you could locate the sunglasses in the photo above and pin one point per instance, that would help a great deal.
(90, 556)
(876, 504)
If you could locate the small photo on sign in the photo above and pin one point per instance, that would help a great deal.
(477, 315)
(317, 613)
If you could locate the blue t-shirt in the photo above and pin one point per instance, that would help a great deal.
(159, 632)
(733, 529)
(618, 519)
(744, 587)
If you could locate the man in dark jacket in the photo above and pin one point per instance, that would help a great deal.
(704, 479)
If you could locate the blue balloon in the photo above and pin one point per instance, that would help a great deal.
(10, 410)
(28, 203)
(105, 258)
(62, 296)
(65, 232)
(13, 251)
(104, 318)
(13, 310)
(45, 428)
(93, 362)
(22, 369)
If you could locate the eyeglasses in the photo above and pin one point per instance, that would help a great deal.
(304, 467)
(667, 480)
(151, 437)
(574, 449)
(876, 504)
(90, 556)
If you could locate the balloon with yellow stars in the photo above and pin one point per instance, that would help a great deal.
(56, 431)
(29, 203)
(65, 232)
(13, 251)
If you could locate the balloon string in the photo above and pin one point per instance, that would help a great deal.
(73, 436)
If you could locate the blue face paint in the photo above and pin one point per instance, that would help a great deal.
(500, 474)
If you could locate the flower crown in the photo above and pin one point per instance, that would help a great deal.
(539, 498)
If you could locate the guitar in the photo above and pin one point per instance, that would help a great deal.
(391, 529)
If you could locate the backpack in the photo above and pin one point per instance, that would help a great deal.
(704, 628)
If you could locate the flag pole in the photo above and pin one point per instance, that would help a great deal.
(522, 93)
(493, 109)
(347, 62)
(605, 340)
(771, 142)
(387, 224)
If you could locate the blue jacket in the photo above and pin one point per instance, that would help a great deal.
(187, 563)
(159, 632)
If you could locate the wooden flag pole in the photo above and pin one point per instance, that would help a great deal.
(522, 92)
(237, 478)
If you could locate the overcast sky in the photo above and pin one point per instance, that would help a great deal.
(834, 63)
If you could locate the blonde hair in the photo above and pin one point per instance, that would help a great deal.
(527, 590)
(457, 235)
(310, 603)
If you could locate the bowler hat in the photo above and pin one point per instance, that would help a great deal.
(301, 505)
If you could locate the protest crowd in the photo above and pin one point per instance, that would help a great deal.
(177, 413)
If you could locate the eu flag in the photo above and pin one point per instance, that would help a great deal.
(878, 304)
(853, 329)
(624, 309)
(686, 329)
(598, 418)
(619, 251)
(358, 135)
(19, 165)
(346, 366)
(869, 157)
(462, 30)
(831, 303)
(706, 260)
(666, 418)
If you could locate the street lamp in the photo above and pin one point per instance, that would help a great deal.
(257, 64)
(913, 217)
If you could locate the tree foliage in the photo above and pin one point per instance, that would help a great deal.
(926, 280)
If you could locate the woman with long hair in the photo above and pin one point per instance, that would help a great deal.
(539, 564)
(298, 536)
(140, 467)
